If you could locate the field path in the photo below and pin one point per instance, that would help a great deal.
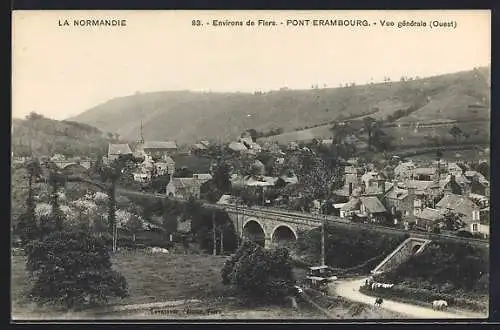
(349, 289)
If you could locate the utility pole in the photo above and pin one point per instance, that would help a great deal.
(214, 251)
(222, 240)
(237, 226)
(323, 216)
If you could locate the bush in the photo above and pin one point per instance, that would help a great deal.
(260, 273)
(73, 269)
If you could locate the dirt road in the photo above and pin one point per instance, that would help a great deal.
(349, 289)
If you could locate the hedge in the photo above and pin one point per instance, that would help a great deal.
(425, 296)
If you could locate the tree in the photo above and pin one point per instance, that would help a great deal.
(27, 221)
(260, 273)
(56, 181)
(484, 169)
(379, 138)
(222, 177)
(134, 225)
(453, 221)
(369, 124)
(456, 132)
(183, 172)
(110, 174)
(252, 132)
(73, 268)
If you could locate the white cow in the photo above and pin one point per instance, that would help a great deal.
(439, 304)
(158, 250)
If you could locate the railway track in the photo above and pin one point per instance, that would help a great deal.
(301, 218)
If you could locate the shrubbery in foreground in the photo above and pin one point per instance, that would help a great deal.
(73, 269)
(260, 273)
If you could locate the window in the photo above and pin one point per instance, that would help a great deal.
(474, 227)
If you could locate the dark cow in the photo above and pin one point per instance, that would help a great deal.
(378, 302)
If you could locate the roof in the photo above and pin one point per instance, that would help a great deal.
(327, 141)
(203, 176)
(205, 143)
(430, 214)
(247, 140)
(318, 267)
(262, 181)
(160, 145)
(290, 179)
(199, 146)
(119, 149)
(461, 180)
(351, 205)
(197, 164)
(397, 193)
(370, 175)
(185, 182)
(371, 190)
(457, 203)
(169, 160)
(225, 199)
(351, 170)
(419, 185)
(373, 204)
(237, 146)
(425, 171)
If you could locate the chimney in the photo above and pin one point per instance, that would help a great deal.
(350, 189)
(411, 195)
(381, 186)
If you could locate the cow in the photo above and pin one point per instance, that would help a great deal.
(378, 302)
(158, 250)
(439, 304)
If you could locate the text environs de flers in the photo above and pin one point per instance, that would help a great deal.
(92, 22)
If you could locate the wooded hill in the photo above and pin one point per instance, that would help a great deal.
(192, 116)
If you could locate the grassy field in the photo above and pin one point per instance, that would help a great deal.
(159, 277)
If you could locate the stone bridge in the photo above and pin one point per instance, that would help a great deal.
(402, 253)
(270, 227)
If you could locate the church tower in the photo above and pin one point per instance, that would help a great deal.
(140, 141)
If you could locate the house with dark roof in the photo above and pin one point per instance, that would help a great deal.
(470, 211)
(184, 188)
(425, 174)
(478, 183)
(459, 185)
(372, 208)
(404, 170)
(425, 191)
(352, 174)
(195, 163)
(159, 149)
(368, 208)
(398, 199)
(117, 150)
(237, 147)
(429, 219)
(349, 208)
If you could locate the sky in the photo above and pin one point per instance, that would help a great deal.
(61, 71)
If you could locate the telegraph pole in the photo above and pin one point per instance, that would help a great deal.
(323, 216)
(214, 251)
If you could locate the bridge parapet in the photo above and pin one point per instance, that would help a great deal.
(411, 246)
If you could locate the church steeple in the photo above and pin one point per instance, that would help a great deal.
(141, 137)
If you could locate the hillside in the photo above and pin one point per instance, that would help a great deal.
(190, 116)
(50, 136)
